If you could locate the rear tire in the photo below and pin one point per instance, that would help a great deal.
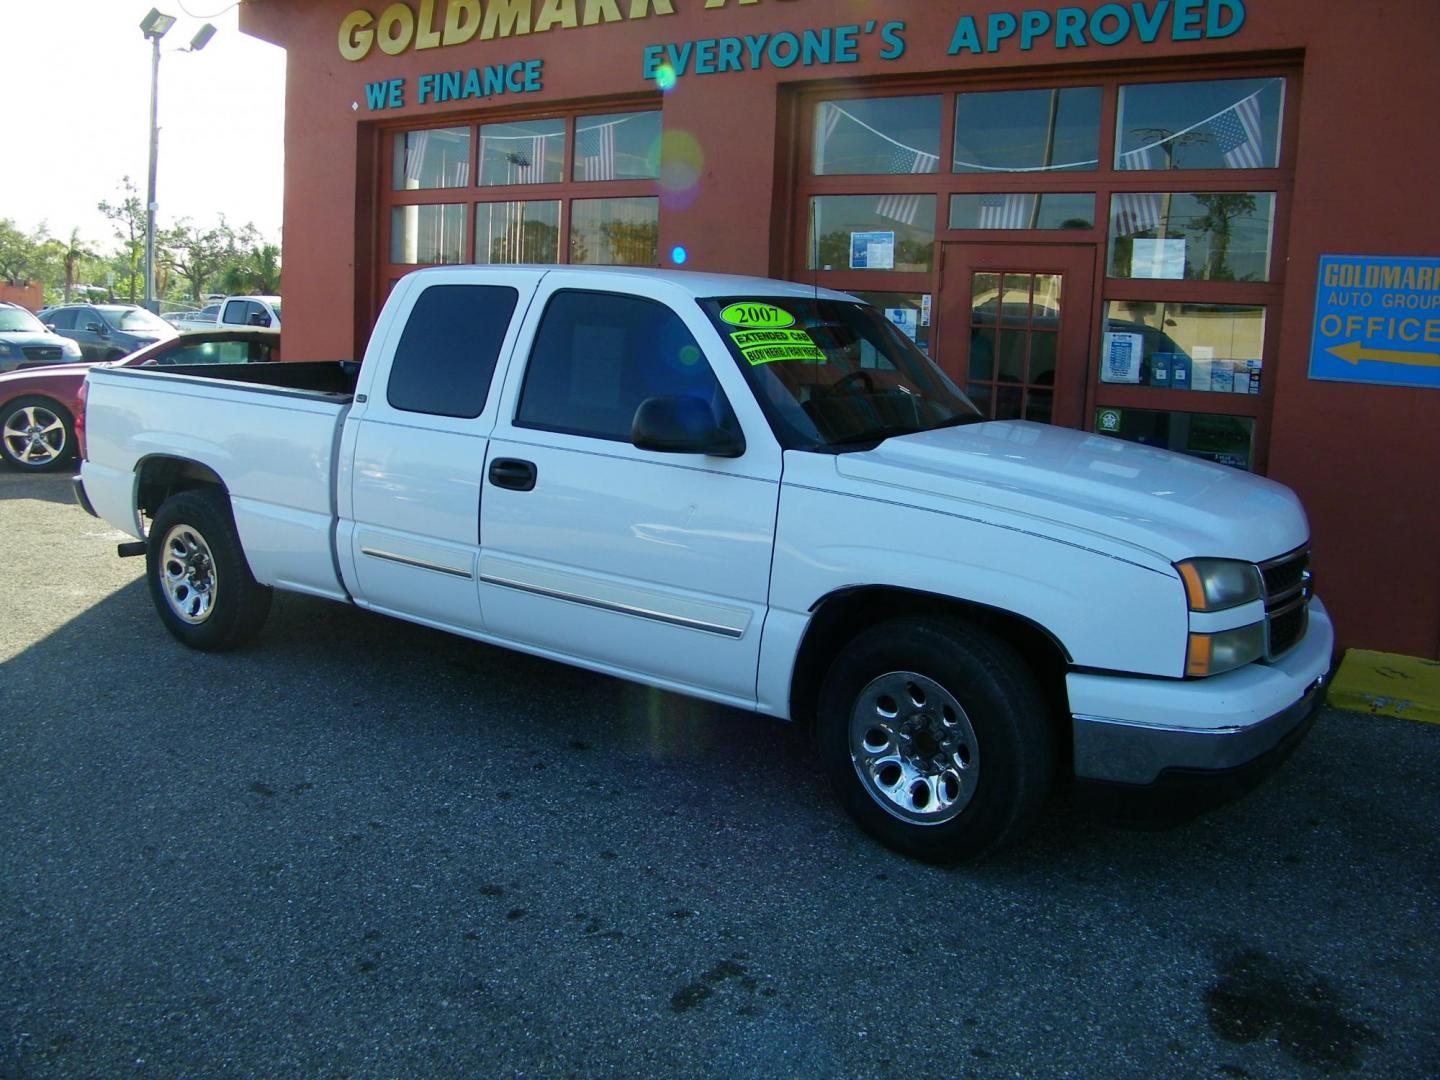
(199, 580)
(36, 434)
(936, 738)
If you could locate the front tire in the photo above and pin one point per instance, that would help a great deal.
(936, 738)
(36, 434)
(199, 580)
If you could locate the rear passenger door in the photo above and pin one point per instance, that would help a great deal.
(415, 449)
(645, 563)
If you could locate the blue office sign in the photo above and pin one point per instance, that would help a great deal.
(1377, 320)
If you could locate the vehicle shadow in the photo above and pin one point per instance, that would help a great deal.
(49, 486)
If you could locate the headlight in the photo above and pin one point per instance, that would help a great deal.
(1210, 654)
(7, 349)
(1217, 584)
(70, 347)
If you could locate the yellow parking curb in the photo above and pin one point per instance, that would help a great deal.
(1377, 682)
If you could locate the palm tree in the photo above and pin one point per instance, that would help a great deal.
(74, 252)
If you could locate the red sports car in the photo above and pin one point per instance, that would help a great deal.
(39, 406)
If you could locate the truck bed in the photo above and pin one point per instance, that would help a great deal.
(335, 379)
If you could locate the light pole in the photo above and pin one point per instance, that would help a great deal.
(155, 26)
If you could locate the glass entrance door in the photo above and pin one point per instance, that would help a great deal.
(1014, 327)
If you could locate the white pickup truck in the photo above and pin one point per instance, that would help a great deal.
(753, 492)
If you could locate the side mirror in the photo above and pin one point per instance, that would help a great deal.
(97, 328)
(259, 318)
(681, 424)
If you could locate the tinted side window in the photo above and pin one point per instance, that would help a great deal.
(235, 312)
(597, 356)
(64, 319)
(447, 352)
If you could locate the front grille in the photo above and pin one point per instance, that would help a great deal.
(1287, 600)
(42, 352)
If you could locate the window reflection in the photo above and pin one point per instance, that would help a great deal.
(1028, 130)
(615, 232)
(427, 234)
(1223, 124)
(1212, 348)
(517, 232)
(872, 232)
(1196, 236)
(618, 146)
(524, 152)
(877, 136)
(1019, 210)
(437, 158)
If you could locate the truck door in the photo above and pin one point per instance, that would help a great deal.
(637, 561)
(409, 529)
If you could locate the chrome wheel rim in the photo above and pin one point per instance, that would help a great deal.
(34, 435)
(187, 574)
(914, 748)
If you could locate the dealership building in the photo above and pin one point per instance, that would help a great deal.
(1209, 225)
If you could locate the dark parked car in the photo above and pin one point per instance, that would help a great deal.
(38, 409)
(25, 343)
(107, 331)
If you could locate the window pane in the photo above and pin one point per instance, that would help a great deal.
(620, 146)
(909, 311)
(524, 152)
(872, 232)
(427, 234)
(1221, 236)
(615, 232)
(1022, 211)
(448, 350)
(438, 158)
(1028, 130)
(1227, 124)
(597, 356)
(877, 136)
(517, 232)
(1228, 440)
(1206, 347)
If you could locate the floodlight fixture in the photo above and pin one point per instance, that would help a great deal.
(202, 38)
(156, 25)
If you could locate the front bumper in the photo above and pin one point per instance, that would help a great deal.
(1141, 732)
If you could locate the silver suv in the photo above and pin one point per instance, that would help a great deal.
(25, 342)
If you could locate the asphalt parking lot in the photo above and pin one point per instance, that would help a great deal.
(364, 848)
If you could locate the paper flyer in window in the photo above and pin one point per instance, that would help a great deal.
(907, 319)
(1121, 360)
(1202, 357)
(925, 309)
(872, 251)
(1162, 259)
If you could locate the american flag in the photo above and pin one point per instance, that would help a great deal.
(906, 159)
(827, 118)
(1005, 211)
(1237, 133)
(1135, 213)
(1143, 158)
(902, 208)
(595, 147)
(415, 145)
(905, 208)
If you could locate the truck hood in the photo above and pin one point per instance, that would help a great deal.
(1063, 480)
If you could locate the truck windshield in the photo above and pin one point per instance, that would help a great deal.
(835, 375)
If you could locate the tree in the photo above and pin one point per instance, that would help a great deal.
(1220, 208)
(128, 216)
(195, 254)
(21, 257)
(252, 264)
(74, 253)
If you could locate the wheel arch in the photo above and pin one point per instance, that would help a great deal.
(160, 476)
(839, 616)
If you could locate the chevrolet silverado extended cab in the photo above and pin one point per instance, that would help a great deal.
(753, 492)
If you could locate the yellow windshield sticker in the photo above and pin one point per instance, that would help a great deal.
(757, 316)
(766, 346)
